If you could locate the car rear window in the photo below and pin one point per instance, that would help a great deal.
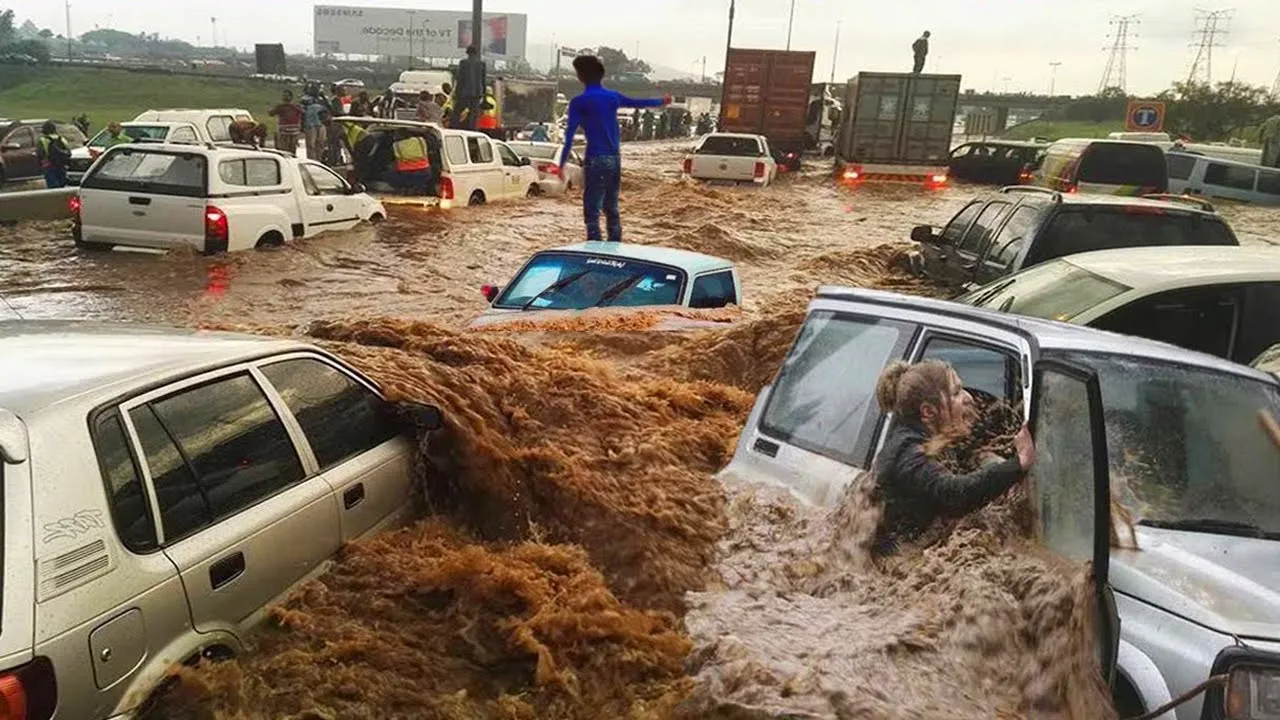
(1077, 230)
(1125, 164)
(1055, 290)
(144, 171)
(726, 145)
(541, 152)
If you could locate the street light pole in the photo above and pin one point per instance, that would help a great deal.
(791, 22)
(1053, 77)
(835, 53)
(412, 15)
(724, 81)
(68, 29)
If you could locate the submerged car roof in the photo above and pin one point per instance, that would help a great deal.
(1048, 334)
(1047, 196)
(43, 363)
(1181, 265)
(691, 262)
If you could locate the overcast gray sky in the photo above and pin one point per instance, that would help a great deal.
(985, 40)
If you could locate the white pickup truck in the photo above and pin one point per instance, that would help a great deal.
(215, 199)
(732, 157)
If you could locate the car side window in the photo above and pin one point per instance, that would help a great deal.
(961, 152)
(456, 150)
(23, 137)
(1269, 182)
(1231, 176)
(340, 417)
(183, 135)
(713, 291)
(824, 400)
(479, 149)
(324, 181)
(509, 158)
(980, 367)
(126, 496)
(982, 228)
(219, 127)
(214, 450)
(954, 230)
(1203, 319)
(1180, 166)
(252, 172)
(1014, 236)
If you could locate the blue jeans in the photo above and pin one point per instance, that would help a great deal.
(55, 177)
(602, 176)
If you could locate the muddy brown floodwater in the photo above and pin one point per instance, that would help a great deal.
(578, 557)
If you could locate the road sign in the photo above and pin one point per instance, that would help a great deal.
(1145, 116)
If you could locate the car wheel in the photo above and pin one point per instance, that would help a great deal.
(271, 239)
(93, 246)
(534, 191)
(477, 198)
(376, 218)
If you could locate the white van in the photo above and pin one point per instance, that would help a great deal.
(1193, 174)
(473, 169)
(215, 122)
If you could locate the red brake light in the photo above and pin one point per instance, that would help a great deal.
(688, 166)
(549, 168)
(446, 188)
(13, 698)
(852, 173)
(759, 172)
(1073, 188)
(215, 224)
(73, 204)
(936, 181)
(489, 291)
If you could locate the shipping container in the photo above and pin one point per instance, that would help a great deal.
(766, 92)
(898, 126)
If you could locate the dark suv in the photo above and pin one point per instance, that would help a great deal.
(1000, 234)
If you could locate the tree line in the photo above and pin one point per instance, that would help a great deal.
(1225, 110)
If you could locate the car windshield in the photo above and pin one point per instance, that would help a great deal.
(1085, 228)
(541, 152)
(582, 281)
(1187, 451)
(729, 145)
(144, 132)
(1056, 290)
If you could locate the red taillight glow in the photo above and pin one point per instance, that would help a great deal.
(688, 166)
(215, 224)
(489, 291)
(852, 174)
(446, 188)
(1025, 177)
(759, 171)
(549, 168)
(13, 698)
(1072, 189)
(936, 182)
(73, 204)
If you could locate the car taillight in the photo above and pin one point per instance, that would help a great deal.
(1025, 177)
(1072, 189)
(13, 698)
(74, 204)
(688, 166)
(446, 188)
(936, 181)
(215, 224)
(759, 172)
(852, 173)
(549, 168)
(30, 692)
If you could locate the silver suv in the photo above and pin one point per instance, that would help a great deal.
(161, 488)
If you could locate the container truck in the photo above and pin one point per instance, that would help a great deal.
(524, 102)
(766, 92)
(897, 128)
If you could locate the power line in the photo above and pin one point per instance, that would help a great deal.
(1210, 24)
(1115, 74)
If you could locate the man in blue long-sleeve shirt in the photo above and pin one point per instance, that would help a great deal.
(596, 111)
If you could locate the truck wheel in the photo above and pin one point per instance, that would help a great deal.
(271, 239)
(534, 191)
(477, 198)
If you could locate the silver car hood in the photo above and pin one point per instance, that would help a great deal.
(1230, 584)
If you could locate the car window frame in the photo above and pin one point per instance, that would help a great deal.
(26, 130)
(307, 168)
(87, 183)
(991, 231)
(988, 255)
(480, 141)
(733, 284)
(1234, 292)
(224, 132)
(942, 234)
(1015, 386)
(92, 420)
(515, 157)
(195, 136)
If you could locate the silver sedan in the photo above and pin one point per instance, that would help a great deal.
(545, 157)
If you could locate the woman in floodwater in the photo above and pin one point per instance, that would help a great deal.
(929, 401)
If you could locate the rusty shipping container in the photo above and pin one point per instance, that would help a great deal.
(900, 120)
(767, 92)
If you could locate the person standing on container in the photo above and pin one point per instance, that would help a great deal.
(596, 112)
(920, 48)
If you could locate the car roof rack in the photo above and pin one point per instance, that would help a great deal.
(1204, 205)
(1057, 196)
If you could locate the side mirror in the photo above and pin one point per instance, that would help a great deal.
(924, 234)
(490, 292)
(355, 188)
(421, 415)
(524, 161)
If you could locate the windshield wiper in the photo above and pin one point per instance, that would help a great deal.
(619, 288)
(982, 299)
(1210, 525)
(556, 286)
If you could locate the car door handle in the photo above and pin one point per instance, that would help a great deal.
(227, 569)
(139, 201)
(353, 496)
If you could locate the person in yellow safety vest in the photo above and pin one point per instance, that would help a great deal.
(413, 163)
(488, 119)
(447, 104)
(54, 155)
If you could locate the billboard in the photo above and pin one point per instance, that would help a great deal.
(270, 59)
(341, 29)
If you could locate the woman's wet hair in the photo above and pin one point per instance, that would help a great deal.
(905, 388)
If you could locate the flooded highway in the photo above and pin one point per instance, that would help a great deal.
(578, 557)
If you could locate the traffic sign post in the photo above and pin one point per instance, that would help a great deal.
(1145, 116)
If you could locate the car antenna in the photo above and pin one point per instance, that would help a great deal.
(12, 309)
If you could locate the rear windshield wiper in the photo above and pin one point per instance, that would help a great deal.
(1209, 525)
(618, 288)
(555, 287)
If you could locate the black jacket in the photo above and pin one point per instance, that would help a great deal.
(917, 489)
(920, 47)
(470, 79)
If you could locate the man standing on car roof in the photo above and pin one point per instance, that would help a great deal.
(596, 111)
(288, 115)
(920, 48)
(469, 91)
(54, 155)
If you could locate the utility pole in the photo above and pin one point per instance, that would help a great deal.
(1275, 88)
(213, 22)
(791, 23)
(1053, 76)
(1209, 25)
(704, 69)
(477, 27)
(835, 53)
(724, 82)
(68, 29)
(412, 16)
(1118, 60)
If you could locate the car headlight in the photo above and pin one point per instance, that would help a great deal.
(1253, 693)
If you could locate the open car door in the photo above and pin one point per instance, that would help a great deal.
(1071, 485)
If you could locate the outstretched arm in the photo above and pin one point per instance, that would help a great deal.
(571, 129)
(629, 102)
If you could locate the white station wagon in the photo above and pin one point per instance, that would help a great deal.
(214, 199)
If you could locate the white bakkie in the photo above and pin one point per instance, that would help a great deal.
(215, 199)
(732, 157)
